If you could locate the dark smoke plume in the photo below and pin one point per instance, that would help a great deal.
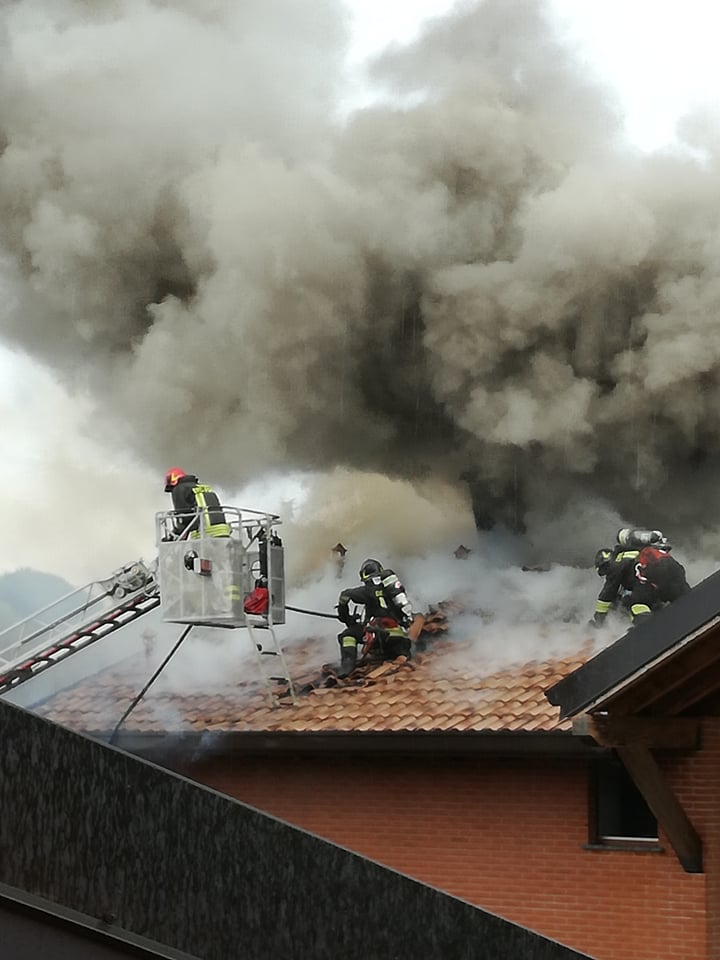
(475, 282)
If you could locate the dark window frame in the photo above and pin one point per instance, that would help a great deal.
(618, 816)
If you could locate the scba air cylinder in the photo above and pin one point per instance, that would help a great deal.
(627, 537)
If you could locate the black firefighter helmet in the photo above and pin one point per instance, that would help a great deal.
(603, 559)
(370, 568)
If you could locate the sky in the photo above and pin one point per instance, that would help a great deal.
(660, 58)
(79, 508)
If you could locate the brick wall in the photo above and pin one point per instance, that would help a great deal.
(506, 835)
(696, 781)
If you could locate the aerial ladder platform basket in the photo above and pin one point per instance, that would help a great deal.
(197, 580)
(206, 579)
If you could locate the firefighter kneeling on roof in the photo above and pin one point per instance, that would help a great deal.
(640, 575)
(388, 614)
(660, 579)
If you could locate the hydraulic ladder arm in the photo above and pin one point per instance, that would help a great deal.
(75, 621)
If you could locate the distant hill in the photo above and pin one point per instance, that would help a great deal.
(25, 591)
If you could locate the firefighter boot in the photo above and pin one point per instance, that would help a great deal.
(397, 644)
(348, 657)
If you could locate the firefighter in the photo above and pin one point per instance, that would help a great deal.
(659, 580)
(387, 615)
(618, 568)
(196, 505)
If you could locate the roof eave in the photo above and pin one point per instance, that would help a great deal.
(642, 648)
(191, 746)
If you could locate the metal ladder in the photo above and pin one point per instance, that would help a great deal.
(75, 621)
(273, 667)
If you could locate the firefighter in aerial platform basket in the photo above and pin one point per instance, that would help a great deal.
(196, 505)
(387, 615)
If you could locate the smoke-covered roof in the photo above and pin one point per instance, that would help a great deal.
(441, 690)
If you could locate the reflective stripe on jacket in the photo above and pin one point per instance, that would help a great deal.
(213, 522)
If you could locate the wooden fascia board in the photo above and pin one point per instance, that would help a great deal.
(661, 733)
(648, 778)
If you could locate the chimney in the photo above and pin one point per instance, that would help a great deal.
(338, 552)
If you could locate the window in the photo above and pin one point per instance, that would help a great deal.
(619, 814)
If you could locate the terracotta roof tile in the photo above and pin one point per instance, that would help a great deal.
(429, 693)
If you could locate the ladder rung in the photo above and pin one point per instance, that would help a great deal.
(275, 696)
(97, 629)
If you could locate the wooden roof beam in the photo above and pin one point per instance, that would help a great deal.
(695, 690)
(648, 778)
(661, 733)
(659, 682)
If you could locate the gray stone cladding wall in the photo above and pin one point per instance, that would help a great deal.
(98, 831)
(31, 934)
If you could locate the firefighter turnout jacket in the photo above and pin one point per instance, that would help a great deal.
(387, 615)
(198, 508)
(620, 580)
(659, 580)
(382, 596)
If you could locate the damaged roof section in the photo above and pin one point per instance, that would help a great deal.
(443, 689)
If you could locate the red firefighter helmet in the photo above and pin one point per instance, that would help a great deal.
(172, 476)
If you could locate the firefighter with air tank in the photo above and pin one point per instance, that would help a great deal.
(387, 615)
(640, 575)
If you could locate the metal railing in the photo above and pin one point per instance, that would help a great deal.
(73, 612)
